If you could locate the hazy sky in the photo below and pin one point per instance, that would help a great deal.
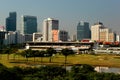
(68, 12)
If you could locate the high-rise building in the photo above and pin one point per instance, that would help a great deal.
(11, 22)
(95, 31)
(51, 30)
(29, 24)
(83, 31)
(101, 33)
(63, 35)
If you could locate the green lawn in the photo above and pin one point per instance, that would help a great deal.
(95, 60)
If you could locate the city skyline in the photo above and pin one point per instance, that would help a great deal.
(68, 12)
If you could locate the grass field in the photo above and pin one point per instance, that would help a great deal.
(95, 60)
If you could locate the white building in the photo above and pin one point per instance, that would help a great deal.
(50, 30)
(101, 33)
(37, 37)
(118, 38)
(95, 31)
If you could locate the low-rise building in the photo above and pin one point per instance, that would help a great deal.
(37, 37)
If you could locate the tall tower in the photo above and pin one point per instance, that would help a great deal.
(51, 30)
(95, 31)
(101, 33)
(11, 22)
(29, 24)
(83, 30)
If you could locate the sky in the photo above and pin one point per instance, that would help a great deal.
(68, 12)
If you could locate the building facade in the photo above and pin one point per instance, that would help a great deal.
(29, 24)
(63, 35)
(14, 37)
(83, 31)
(95, 31)
(28, 37)
(51, 30)
(37, 37)
(11, 21)
(104, 34)
(118, 38)
(101, 33)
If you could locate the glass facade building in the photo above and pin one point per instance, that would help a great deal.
(11, 22)
(83, 31)
(29, 24)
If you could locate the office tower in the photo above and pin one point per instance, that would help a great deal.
(101, 33)
(11, 22)
(50, 30)
(95, 31)
(63, 35)
(29, 24)
(83, 30)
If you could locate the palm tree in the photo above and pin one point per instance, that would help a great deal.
(50, 51)
(67, 52)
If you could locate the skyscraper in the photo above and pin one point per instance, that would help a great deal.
(11, 22)
(95, 31)
(29, 24)
(50, 30)
(101, 33)
(83, 31)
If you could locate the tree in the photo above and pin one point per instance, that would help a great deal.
(50, 72)
(50, 51)
(82, 68)
(67, 52)
(41, 54)
(82, 72)
(1, 52)
(27, 53)
(34, 53)
(7, 51)
(7, 74)
(14, 51)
